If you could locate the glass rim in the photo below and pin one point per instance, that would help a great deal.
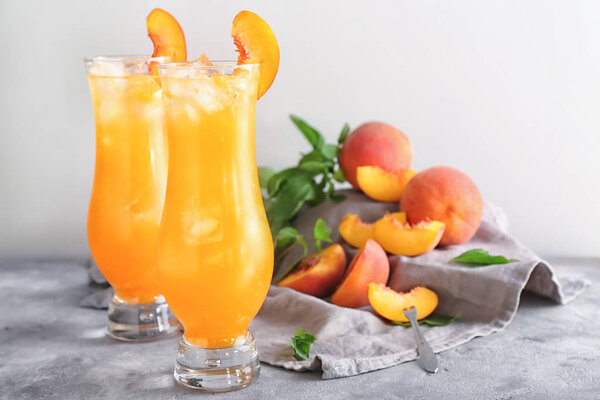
(126, 58)
(187, 65)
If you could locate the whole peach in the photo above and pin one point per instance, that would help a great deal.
(378, 144)
(448, 195)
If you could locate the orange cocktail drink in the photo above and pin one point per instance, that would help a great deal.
(128, 192)
(215, 250)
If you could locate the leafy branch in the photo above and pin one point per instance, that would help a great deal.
(310, 182)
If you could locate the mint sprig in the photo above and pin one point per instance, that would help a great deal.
(300, 343)
(321, 233)
(431, 320)
(479, 258)
(310, 182)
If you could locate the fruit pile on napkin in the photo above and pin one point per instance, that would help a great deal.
(354, 341)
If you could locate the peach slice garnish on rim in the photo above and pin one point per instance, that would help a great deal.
(391, 304)
(356, 232)
(401, 238)
(166, 35)
(256, 44)
(381, 185)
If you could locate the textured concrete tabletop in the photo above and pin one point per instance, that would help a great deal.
(52, 349)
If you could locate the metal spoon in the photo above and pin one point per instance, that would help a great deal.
(428, 359)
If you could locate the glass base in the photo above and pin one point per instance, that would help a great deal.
(217, 370)
(140, 322)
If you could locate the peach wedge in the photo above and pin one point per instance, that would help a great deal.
(166, 35)
(256, 44)
(356, 232)
(381, 185)
(406, 240)
(318, 274)
(391, 304)
(370, 264)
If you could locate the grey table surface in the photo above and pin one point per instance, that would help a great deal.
(52, 349)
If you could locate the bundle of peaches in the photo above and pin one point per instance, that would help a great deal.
(439, 206)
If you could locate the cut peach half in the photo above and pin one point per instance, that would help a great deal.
(167, 37)
(356, 232)
(403, 239)
(381, 185)
(369, 265)
(391, 304)
(256, 44)
(318, 274)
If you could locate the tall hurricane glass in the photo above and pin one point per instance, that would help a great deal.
(215, 251)
(128, 192)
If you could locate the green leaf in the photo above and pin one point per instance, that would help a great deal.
(264, 175)
(344, 133)
(300, 343)
(331, 195)
(330, 151)
(338, 175)
(431, 320)
(439, 320)
(330, 190)
(480, 257)
(279, 178)
(321, 233)
(318, 199)
(285, 238)
(313, 136)
(313, 166)
(290, 197)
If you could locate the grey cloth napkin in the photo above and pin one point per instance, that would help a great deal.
(354, 341)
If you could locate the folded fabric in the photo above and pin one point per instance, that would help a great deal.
(354, 341)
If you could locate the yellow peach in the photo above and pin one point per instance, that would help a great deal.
(403, 239)
(375, 143)
(391, 304)
(381, 185)
(448, 195)
(356, 232)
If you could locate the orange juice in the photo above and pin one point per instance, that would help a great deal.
(129, 181)
(215, 251)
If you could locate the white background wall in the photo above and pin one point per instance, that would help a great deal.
(507, 91)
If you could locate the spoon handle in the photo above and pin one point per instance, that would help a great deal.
(426, 354)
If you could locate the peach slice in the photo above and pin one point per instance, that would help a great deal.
(403, 239)
(166, 35)
(391, 304)
(356, 232)
(369, 265)
(381, 185)
(319, 273)
(256, 44)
